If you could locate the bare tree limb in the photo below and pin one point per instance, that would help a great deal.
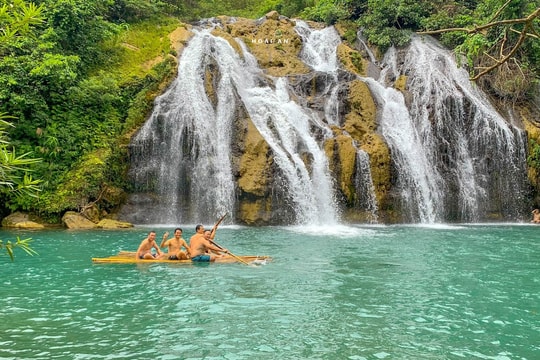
(527, 31)
(534, 36)
(503, 43)
(500, 11)
(92, 203)
(504, 58)
(478, 29)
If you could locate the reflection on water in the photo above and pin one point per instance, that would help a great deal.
(348, 292)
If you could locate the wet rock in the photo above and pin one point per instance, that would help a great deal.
(19, 220)
(74, 220)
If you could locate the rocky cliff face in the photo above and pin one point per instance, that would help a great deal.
(276, 46)
(357, 152)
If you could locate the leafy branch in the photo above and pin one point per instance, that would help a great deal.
(14, 169)
(11, 180)
(506, 51)
(17, 18)
(23, 244)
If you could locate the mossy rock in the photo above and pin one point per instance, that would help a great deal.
(74, 220)
(20, 220)
(113, 224)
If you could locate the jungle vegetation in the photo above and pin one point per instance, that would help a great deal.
(75, 81)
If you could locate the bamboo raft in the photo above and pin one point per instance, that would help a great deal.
(128, 257)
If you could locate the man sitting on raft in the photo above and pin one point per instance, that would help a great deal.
(145, 249)
(175, 246)
(199, 246)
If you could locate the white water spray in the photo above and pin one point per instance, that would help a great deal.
(187, 140)
(449, 141)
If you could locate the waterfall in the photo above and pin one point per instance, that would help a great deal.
(456, 157)
(417, 178)
(182, 153)
(364, 47)
(285, 125)
(363, 184)
(319, 51)
(319, 47)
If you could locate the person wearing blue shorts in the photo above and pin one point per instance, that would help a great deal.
(200, 246)
(201, 258)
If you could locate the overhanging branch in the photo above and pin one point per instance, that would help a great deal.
(527, 31)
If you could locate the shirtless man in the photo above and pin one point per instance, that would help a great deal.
(175, 246)
(199, 230)
(536, 216)
(209, 235)
(144, 252)
(199, 246)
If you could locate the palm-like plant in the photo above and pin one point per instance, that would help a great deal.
(14, 177)
(17, 18)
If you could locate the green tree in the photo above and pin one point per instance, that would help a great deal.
(327, 11)
(15, 178)
(17, 19)
(79, 27)
(14, 168)
(391, 23)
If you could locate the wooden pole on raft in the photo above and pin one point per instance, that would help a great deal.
(230, 253)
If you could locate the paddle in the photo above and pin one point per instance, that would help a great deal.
(217, 224)
(230, 253)
(219, 246)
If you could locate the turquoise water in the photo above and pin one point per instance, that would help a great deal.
(388, 292)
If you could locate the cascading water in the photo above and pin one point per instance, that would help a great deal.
(456, 158)
(285, 126)
(319, 47)
(417, 178)
(320, 53)
(183, 151)
(364, 186)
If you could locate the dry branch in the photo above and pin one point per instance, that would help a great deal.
(527, 31)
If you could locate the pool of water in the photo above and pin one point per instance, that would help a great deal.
(344, 292)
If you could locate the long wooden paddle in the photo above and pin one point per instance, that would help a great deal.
(221, 247)
(214, 228)
(230, 253)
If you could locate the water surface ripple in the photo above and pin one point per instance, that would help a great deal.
(378, 292)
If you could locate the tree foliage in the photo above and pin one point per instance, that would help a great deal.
(14, 169)
(60, 107)
(23, 244)
(327, 11)
(390, 23)
(496, 37)
(16, 21)
(502, 37)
